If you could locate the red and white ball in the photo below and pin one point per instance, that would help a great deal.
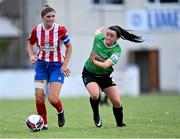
(34, 123)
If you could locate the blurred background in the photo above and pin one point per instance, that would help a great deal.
(152, 67)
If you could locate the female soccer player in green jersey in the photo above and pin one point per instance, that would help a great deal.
(99, 66)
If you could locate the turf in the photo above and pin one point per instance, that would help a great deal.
(147, 116)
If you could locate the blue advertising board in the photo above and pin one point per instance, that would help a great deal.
(168, 19)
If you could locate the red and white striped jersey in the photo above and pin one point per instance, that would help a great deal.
(49, 42)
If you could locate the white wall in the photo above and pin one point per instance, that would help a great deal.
(19, 84)
(16, 84)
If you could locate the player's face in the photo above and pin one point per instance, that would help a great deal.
(49, 19)
(110, 37)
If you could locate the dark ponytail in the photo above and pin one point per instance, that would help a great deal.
(125, 34)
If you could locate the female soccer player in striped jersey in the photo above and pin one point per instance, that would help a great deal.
(50, 64)
(99, 66)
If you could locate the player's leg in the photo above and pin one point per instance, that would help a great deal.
(40, 85)
(94, 92)
(53, 97)
(113, 93)
(56, 81)
(40, 99)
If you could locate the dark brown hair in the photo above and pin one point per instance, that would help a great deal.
(46, 10)
(125, 34)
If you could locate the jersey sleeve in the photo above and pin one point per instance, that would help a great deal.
(115, 56)
(33, 36)
(64, 34)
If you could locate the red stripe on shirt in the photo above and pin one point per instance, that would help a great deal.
(51, 43)
(43, 42)
(59, 43)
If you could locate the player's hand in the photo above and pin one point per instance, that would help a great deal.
(96, 57)
(93, 55)
(101, 30)
(33, 59)
(65, 70)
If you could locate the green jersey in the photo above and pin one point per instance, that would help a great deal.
(104, 52)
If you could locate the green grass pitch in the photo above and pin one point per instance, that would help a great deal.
(147, 116)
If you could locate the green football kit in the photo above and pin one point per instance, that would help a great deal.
(105, 52)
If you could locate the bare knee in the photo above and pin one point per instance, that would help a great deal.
(95, 96)
(93, 90)
(116, 103)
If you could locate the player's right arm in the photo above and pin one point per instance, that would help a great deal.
(31, 41)
(32, 57)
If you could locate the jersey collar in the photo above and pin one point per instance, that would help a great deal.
(109, 46)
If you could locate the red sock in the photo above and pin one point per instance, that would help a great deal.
(41, 110)
(58, 106)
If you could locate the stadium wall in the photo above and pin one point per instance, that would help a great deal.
(19, 84)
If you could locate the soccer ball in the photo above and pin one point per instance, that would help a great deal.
(34, 123)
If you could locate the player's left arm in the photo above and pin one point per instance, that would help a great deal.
(107, 63)
(112, 60)
(65, 68)
(68, 53)
(66, 40)
(95, 56)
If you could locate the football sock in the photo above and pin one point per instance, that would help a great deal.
(118, 114)
(41, 110)
(58, 106)
(95, 105)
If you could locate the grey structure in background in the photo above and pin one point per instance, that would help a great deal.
(23, 14)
